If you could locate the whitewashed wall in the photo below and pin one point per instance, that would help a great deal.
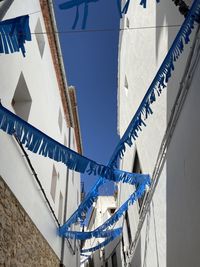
(41, 81)
(98, 216)
(172, 237)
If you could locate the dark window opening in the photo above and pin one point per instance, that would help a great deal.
(114, 260)
(112, 210)
(128, 228)
(22, 101)
(137, 169)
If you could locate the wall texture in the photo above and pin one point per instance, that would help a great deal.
(21, 243)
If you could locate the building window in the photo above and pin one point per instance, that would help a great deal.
(65, 141)
(73, 177)
(137, 169)
(136, 164)
(111, 211)
(54, 183)
(128, 228)
(114, 260)
(4, 6)
(123, 248)
(126, 84)
(127, 23)
(40, 37)
(22, 101)
(60, 120)
(77, 197)
(60, 209)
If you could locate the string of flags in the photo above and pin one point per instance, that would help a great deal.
(140, 189)
(96, 234)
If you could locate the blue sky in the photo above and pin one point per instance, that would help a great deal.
(91, 66)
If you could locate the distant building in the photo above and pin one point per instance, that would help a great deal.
(170, 234)
(102, 209)
(35, 88)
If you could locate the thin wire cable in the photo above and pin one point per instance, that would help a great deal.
(108, 29)
(37, 180)
(36, 12)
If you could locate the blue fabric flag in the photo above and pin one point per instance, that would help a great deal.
(159, 83)
(38, 142)
(13, 35)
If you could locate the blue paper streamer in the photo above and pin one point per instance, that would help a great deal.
(159, 83)
(103, 244)
(13, 35)
(96, 234)
(38, 142)
(141, 186)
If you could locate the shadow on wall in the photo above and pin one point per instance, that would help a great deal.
(183, 183)
(136, 262)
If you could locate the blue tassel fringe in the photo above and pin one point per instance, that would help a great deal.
(13, 35)
(96, 234)
(141, 186)
(38, 142)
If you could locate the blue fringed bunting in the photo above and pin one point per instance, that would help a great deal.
(13, 35)
(159, 82)
(96, 234)
(102, 244)
(141, 184)
(38, 142)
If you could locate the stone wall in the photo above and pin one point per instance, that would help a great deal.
(21, 243)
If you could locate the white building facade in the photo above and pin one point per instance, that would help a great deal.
(102, 210)
(35, 88)
(170, 233)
